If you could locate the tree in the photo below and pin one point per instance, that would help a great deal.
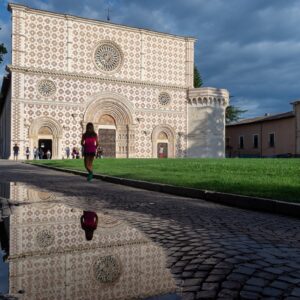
(233, 114)
(197, 78)
(3, 51)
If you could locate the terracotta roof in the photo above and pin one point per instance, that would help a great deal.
(289, 114)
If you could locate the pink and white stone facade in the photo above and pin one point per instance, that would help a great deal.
(67, 71)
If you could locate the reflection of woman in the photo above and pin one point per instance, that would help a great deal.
(89, 222)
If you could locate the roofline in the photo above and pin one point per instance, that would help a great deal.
(264, 119)
(12, 6)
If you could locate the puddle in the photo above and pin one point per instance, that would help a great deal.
(55, 251)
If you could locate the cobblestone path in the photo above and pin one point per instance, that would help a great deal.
(214, 251)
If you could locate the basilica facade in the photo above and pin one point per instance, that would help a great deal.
(135, 85)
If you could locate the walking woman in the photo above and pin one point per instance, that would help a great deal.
(89, 143)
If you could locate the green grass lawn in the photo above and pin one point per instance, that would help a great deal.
(269, 178)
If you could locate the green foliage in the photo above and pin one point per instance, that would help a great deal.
(269, 178)
(3, 51)
(197, 78)
(233, 114)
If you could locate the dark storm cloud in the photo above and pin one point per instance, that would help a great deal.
(250, 47)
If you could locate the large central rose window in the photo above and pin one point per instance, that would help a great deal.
(108, 57)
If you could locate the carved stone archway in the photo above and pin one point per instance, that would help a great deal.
(167, 131)
(54, 133)
(121, 111)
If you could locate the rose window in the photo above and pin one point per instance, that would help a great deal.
(46, 88)
(164, 98)
(108, 57)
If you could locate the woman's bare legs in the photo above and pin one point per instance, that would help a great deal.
(88, 163)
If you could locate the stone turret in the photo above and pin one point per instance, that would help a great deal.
(206, 122)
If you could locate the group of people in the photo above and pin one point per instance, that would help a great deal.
(75, 153)
(90, 150)
(37, 153)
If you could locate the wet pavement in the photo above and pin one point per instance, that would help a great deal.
(145, 244)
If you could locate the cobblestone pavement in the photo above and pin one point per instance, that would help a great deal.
(214, 251)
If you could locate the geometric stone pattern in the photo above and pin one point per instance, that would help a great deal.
(118, 263)
(62, 63)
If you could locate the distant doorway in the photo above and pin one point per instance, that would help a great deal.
(107, 141)
(44, 146)
(162, 150)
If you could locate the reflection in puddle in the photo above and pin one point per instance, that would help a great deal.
(50, 255)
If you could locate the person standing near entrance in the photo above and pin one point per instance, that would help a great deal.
(16, 151)
(89, 143)
(27, 152)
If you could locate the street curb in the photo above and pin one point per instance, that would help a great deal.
(245, 202)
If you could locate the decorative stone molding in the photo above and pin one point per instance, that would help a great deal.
(107, 269)
(45, 122)
(14, 6)
(208, 97)
(108, 56)
(15, 68)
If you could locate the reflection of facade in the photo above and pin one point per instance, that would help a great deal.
(49, 257)
(133, 84)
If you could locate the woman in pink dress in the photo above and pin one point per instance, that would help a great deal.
(89, 143)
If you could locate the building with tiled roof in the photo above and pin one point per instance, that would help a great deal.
(275, 135)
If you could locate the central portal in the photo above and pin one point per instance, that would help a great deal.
(107, 141)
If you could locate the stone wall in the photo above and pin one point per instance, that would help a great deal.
(206, 122)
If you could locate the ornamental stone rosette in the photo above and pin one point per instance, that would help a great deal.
(108, 56)
(107, 269)
(44, 238)
(164, 98)
(46, 88)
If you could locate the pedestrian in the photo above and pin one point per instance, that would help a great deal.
(35, 156)
(89, 222)
(16, 151)
(48, 153)
(99, 152)
(41, 153)
(68, 152)
(90, 143)
(27, 153)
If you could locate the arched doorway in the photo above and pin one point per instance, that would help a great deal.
(45, 139)
(162, 145)
(107, 135)
(46, 133)
(117, 112)
(163, 142)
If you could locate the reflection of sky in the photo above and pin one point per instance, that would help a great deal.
(3, 275)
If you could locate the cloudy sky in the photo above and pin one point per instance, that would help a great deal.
(250, 47)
